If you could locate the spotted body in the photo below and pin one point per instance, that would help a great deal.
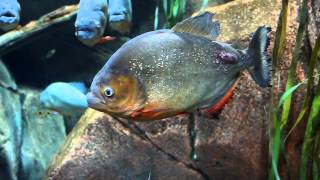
(174, 71)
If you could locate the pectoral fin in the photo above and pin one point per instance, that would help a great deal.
(150, 112)
(106, 39)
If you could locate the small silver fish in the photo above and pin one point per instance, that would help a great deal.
(9, 14)
(64, 98)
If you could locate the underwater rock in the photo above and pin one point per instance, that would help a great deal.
(43, 133)
(6, 81)
(29, 135)
(10, 125)
(246, 16)
(313, 21)
(232, 147)
(100, 147)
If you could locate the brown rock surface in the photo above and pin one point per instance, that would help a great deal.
(102, 147)
(10, 125)
(231, 147)
(314, 20)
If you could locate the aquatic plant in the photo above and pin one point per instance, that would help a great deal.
(309, 162)
(313, 112)
(275, 132)
(173, 12)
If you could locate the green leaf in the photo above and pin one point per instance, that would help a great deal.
(292, 71)
(183, 7)
(204, 5)
(274, 123)
(310, 132)
(307, 98)
(274, 166)
(175, 9)
(276, 142)
(171, 9)
(287, 94)
(316, 158)
(156, 18)
(165, 7)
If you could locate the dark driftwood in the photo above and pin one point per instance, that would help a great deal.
(12, 39)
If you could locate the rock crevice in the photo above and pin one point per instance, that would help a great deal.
(142, 134)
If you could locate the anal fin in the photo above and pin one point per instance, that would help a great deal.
(216, 109)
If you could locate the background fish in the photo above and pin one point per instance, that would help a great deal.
(167, 72)
(65, 98)
(91, 21)
(120, 15)
(9, 14)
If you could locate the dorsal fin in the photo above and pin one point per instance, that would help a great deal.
(200, 25)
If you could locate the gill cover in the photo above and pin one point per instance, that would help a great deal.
(128, 94)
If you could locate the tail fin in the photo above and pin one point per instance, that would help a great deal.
(260, 60)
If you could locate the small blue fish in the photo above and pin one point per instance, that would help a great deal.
(9, 14)
(64, 98)
(80, 86)
(91, 21)
(120, 15)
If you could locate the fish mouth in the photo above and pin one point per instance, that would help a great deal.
(95, 103)
(86, 33)
(87, 29)
(9, 20)
(114, 18)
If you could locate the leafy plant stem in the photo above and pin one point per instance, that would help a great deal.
(292, 71)
(275, 130)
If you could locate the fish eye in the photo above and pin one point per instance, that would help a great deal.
(108, 92)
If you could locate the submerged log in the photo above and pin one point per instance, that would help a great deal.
(10, 40)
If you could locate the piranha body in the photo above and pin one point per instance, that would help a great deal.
(9, 14)
(168, 72)
(120, 15)
(91, 21)
(94, 15)
(66, 98)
